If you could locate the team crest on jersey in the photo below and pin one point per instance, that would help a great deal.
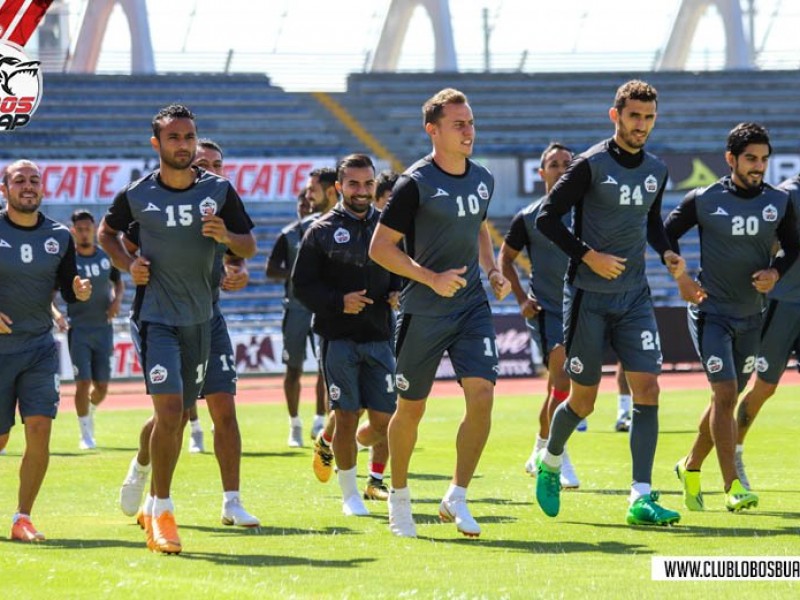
(158, 374)
(401, 382)
(575, 365)
(208, 206)
(105, 264)
(341, 236)
(761, 364)
(483, 191)
(334, 392)
(770, 213)
(714, 364)
(51, 246)
(651, 184)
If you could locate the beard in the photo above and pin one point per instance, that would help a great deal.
(178, 163)
(359, 208)
(25, 207)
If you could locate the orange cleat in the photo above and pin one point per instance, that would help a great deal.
(24, 531)
(165, 534)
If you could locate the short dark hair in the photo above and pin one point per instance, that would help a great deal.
(386, 181)
(745, 134)
(17, 162)
(353, 161)
(210, 144)
(173, 111)
(434, 106)
(82, 215)
(325, 175)
(635, 89)
(552, 146)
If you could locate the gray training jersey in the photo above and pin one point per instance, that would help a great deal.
(180, 290)
(788, 287)
(98, 269)
(32, 264)
(441, 215)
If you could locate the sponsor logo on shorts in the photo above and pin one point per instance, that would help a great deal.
(651, 184)
(341, 236)
(208, 206)
(51, 246)
(401, 382)
(575, 365)
(334, 392)
(158, 374)
(714, 364)
(761, 364)
(483, 191)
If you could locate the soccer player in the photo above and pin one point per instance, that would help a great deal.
(739, 217)
(351, 298)
(542, 304)
(383, 188)
(37, 255)
(439, 208)
(183, 213)
(321, 189)
(296, 326)
(91, 334)
(614, 189)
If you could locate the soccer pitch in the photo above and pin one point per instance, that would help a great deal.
(307, 548)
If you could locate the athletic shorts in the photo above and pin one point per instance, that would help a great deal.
(174, 359)
(91, 350)
(547, 329)
(28, 379)
(359, 375)
(221, 372)
(297, 332)
(626, 320)
(780, 335)
(468, 337)
(727, 346)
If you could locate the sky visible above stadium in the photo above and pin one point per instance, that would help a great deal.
(322, 40)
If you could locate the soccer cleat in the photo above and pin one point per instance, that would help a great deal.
(401, 521)
(740, 473)
(233, 513)
(548, 486)
(692, 494)
(87, 442)
(165, 534)
(316, 429)
(353, 506)
(140, 519)
(295, 436)
(739, 498)
(623, 423)
(646, 511)
(376, 490)
(583, 425)
(530, 464)
(568, 478)
(196, 445)
(456, 510)
(145, 522)
(3, 452)
(322, 460)
(24, 531)
(130, 494)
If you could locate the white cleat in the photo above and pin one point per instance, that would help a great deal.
(353, 506)
(457, 511)
(295, 436)
(401, 521)
(132, 490)
(316, 428)
(738, 462)
(233, 513)
(569, 479)
(196, 445)
(87, 443)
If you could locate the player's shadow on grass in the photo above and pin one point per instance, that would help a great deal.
(736, 530)
(494, 501)
(87, 544)
(534, 547)
(625, 493)
(435, 477)
(273, 531)
(282, 454)
(433, 519)
(271, 560)
(117, 449)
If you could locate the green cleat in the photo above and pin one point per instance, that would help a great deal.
(692, 495)
(738, 498)
(548, 486)
(645, 511)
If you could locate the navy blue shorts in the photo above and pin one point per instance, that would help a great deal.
(780, 335)
(359, 375)
(28, 379)
(296, 328)
(221, 372)
(468, 337)
(547, 329)
(91, 350)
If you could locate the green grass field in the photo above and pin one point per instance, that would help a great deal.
(307, 548)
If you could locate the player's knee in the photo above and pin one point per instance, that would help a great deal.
(100, 391)
(292, 374)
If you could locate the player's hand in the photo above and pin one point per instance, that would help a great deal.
(606, 266)
(82, 288)
(214, 227)
(691, 290)
(354, 302)
(676, 264)
(530, 307)
(449, 282)
(765, 279)
(500, 285)
(394, 300)
(61, 324)
(236, 277)
(5, 323)
(140, 270)
(113, 311)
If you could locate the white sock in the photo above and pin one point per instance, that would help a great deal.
(230, 496)
(138, 467)
(638, 490)
(85, 424)
(347, 481)
(456, 492)
(149, 501)
(17, 516)
(624, 405)
(319, 420)
(295, 421)
(195, 425)
(400, 494)
(552, 460)
(739, 448)
(162, 505)
(92, 409)
(540, 443)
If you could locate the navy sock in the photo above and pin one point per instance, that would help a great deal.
(564, 423)
(643, 440)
